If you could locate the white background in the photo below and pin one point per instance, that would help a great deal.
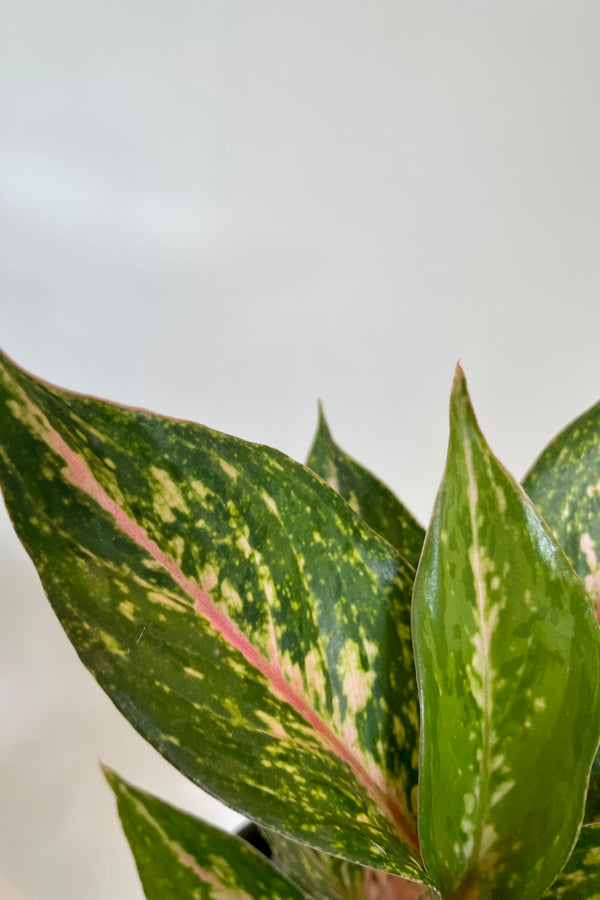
(225, 210)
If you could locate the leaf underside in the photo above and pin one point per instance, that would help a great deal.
(178, 856)
(235, 609)
(508, 656)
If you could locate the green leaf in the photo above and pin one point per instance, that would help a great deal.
(564, 484)
(235, 609)
(323, 877)
(580, 879)
(592, 804)
(508, 656)
(326, 877)
(367, 496)
(178, 856)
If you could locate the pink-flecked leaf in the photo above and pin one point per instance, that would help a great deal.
(326, 877)
(178, 856)
(508, 658)
(236, 610)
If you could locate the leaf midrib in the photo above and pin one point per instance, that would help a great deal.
(77, 472)
(480, 593)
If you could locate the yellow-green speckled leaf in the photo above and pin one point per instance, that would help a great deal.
(232, 605)
(326, 877)
(508, 660)
(178, 857)
(580, 879)
(564, 484)
(366, 494)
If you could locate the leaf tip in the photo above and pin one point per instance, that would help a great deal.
(322, 438)
(459, 384)
(322, 423)
(461, 408)
(110, 775)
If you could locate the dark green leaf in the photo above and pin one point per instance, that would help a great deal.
(236, 610)
(508, 659)
(367, 496)
(580, 879)
(179, 857)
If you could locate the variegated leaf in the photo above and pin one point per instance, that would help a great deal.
(326, 877)
(564, 484)
(580, 879)
(366, 494)
(235, 609)
(592, 804)
(178, 856)
(508, 655)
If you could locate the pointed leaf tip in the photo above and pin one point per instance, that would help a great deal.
(365, 494)
(460, 399)
(178, 855)
(323, 429)
(496, 607)
(163, 547)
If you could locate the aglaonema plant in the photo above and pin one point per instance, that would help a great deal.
(403, 715)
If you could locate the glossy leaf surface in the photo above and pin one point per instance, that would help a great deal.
(366, 494)
(235, 609)
(178, 856)
(508, 656)
(564, 484)
(580, 879)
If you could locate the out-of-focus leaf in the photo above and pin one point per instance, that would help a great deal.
(508, 660)
(366, 494)
(326, 877)
(178, 856)
(235, 609)
(580, 879)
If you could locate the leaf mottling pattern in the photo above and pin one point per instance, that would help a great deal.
(325, 877)
(580, 879)
(508, 660)
(564, 484)
(188, 577)
(178, 856)
(366, 494)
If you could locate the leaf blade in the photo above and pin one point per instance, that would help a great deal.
(563, 484)
(325, 877)
(178, 855)
(366, 494)
(191, 637)
(499, 621)
(580, 879)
